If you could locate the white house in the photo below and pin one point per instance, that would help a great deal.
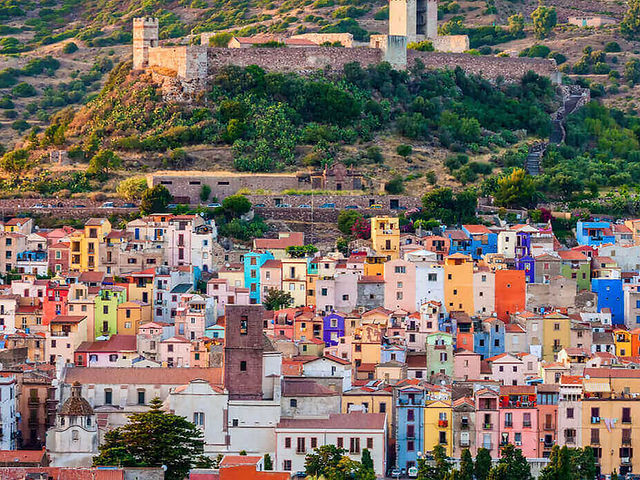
(8, 413)
(329, 368)
(353, 431)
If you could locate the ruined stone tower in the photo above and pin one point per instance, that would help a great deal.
(145, 36)
(415, 19)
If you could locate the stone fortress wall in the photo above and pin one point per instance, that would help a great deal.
(185, 70)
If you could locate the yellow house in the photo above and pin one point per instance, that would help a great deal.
(622, 341)
(458, 283)
(85, 245)
(438, 429)
(616, 380)
(233, 273)
(140, 286)
(634, 226)
(376, 399)
(385, 236)
(294, 279)
(374, 266)
(131, 315)
(556, 335)
(612, 442)
(365, 346)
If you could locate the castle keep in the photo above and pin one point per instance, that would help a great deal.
(184, 70)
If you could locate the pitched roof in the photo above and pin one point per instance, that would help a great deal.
(338, 421)
(21, 456)
(61, 473)
(117, 343)
(294, 239)
(142, 376)
(572, 255)
(304, 387)
(477, 229)
(230, 460)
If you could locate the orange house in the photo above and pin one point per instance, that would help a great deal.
(635, 342)
(510, 288)
(458, 283)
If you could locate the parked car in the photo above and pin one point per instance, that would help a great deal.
(394, 472)
(352, 207)
(259, 205)
(171, 206)
(79, 206)
(107, 205)
(304, 205)
(129, 205)
(399, 207)
(283, 205)
(39, 205)
(214, 205)
(328, 205)
(375, 206)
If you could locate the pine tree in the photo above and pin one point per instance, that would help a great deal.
(466, 465)
(268, 463)
(483, 464)
(155, 438)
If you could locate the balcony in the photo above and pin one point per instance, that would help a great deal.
(595, 441)
(549, 444)
(626, 440)
(626, 420)
(301, 452)
(595, 420)
(570, 440)
(487, 426)
(625, 460)
(34, 401)
(464, 443)
(464, 426)
(443, 423)
(508, 424)
(548, 426)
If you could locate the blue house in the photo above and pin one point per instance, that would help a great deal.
(488, 338)
(252, 263)
(459, 242)
(528, 264)
(611, 296)
(594, 233)
(332, 329)
(483, 240)
(390, 352)
(410, 404)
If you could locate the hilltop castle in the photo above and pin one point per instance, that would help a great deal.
(184, 70)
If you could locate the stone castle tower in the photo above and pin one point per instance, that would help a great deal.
(243, 350)
(145, 36)
(415, 19)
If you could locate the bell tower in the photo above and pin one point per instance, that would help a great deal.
(145, 36)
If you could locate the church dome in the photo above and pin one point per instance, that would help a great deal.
(76, 405)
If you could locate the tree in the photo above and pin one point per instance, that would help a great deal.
(155, 438)
(367, 461)
(70, 47)
(512, 464)
(268, 463)
(324, 460)
(276, 299)
(301, 251)
(585, 462)
(483, 464)
(404, 150)
(630, 25)
(544, 19)
(442, 204)
(559, 466)
(516, 24)
(346, 219)
(16, 163)
(205, 192)
(516, 189)
(236, 205)
(395, 186)
(155, 200)
(466, 465)
(632, 71)
(132, 188)
(361, 228)
(103, 162)
(437, 469)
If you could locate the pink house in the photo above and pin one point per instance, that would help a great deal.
(519, 418)
(466, 365)
(400, 285)
(487, 420)
(270, 276)
(223, 294)
(346, 290)
(193, 315)
(106, 353)
(325, 294)
(175, 352)
(508, 369)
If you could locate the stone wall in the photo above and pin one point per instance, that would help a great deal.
(451, 43)
(346, 39)
(188, 63)
(490, 67)
(292, 59)
(387, 202)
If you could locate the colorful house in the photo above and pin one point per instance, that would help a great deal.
(332, 329)
(252, 263)
(519, 418)
(577, 266)
(439, 348)
(106, 310)
(438, 425)
(594, 233)
(610, 296)
(488, 340)
(385, 236)
(510, 293)
(409, 435)
(458, 283)
(483, 240)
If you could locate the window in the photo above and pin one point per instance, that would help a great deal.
(286, 465)
(354, 445)
(287, 442)
(508, 419)
(626, 415)
(198, 418)
(340, 442)
(399, 269)
(442, 438)
(383, 407)
(235, 422)
(370, 443)
(569, 412)
(141, 397)
(108, 396)
(243, 366)
(244, 320)
(526, 419)
(595, 436)
(293, 403)
(301, 447)
(314, 442)
(410, 415)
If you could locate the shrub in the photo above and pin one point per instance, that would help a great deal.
(24, 89)
(611, 47)
(395, 186)
(69, 48)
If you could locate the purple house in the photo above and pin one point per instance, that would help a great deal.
(524, 259)
(333, 329)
